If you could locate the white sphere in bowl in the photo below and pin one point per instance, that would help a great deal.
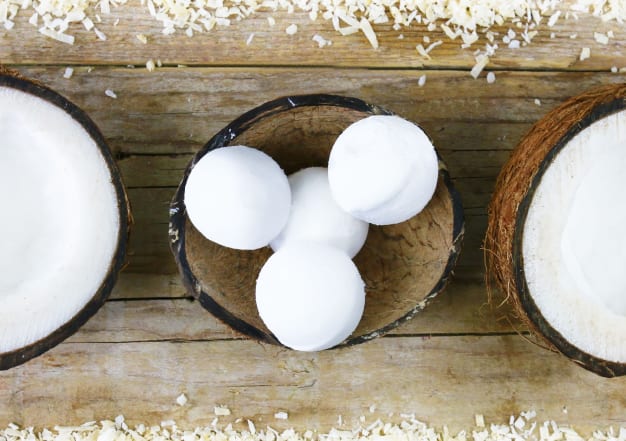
(310, 296)
(238, 197)
(383, 169)
(316, 217)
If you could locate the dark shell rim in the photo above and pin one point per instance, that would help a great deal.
(240, 124)
(605, 368)
(19, 356)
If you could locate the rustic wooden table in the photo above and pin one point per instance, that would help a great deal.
(150, 342)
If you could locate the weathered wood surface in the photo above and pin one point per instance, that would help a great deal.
(150, 342)
(444, 380)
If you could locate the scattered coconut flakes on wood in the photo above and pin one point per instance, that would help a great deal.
(456, 18)
(520, 428)
(57, 15)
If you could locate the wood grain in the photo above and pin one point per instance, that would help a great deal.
(444, 380)
(272, 46)
(176, 111)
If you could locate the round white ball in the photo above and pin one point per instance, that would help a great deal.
(238, 197)
(316, 217)
(310, 296)
(383, 170)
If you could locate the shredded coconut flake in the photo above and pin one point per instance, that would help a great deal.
(99, 34)
(221, 411)
(491, 77)
(481, 61)
(553, 18)
(181, 400)
(291, 29)
(480, 420)
(68, 73)
(321, 41)
(421, 81)
(601, 38)
(367, 29)
(110, 93)
(585, 53)
(281, 415)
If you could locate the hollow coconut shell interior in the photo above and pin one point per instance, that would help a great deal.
(403, 265)
(508, 210)
(91, 301)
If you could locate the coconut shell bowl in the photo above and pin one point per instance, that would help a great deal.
(403, 266)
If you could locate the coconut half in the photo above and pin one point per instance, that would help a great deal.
(554, 241)
(65, 238)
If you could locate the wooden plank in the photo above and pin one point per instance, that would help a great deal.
(443, 380)
(176, 111)
(272, 46)
(152, 320)
(461, 309)
(148, 286)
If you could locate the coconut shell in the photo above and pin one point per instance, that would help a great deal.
(404, 265)
(12, 79)
(509, 205)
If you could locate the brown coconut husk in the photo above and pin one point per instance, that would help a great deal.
(512, 186)
(10, 72)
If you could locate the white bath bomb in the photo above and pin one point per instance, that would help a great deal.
(316, 217)
(238, 197)
(383, 170)
(310, 296)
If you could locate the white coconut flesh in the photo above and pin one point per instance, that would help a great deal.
(60, 218)
(574, 245)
